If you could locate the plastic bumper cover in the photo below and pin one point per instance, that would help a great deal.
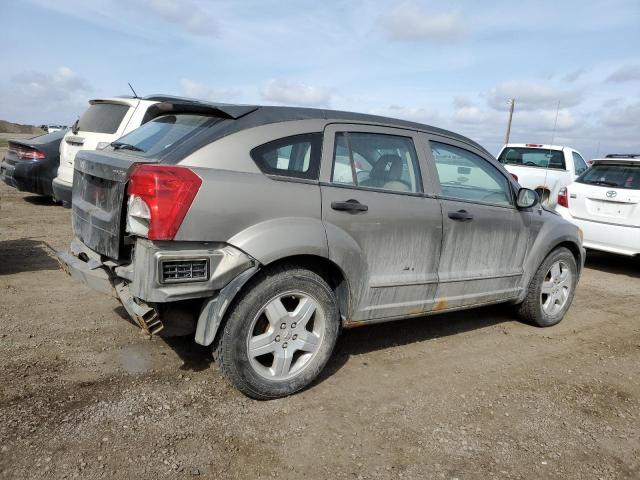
(95, 277)
(62, 191)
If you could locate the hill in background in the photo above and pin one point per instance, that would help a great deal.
(8, 127)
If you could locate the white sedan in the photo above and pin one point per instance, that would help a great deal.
(605, 203)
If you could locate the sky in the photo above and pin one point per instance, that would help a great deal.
(573, 67)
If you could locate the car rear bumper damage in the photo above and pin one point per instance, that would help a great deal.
(149, 282)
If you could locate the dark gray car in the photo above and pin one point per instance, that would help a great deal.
(265, 230)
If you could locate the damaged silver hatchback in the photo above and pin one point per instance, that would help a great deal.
(266, 230)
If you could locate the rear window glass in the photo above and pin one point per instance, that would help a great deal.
(161, 133)
(295, 156)
(102, 118)
(533, 157)
(611, 175)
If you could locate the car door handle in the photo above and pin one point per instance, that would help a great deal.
(460, 216)
(350, 205)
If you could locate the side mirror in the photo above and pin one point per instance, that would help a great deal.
(527, 198)
(74, 128)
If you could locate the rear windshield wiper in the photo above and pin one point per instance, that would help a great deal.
(125, 146)
(604, 183)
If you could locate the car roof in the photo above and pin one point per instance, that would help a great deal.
(249, 116)
(618, 159)
(535, 145)
(623, 155)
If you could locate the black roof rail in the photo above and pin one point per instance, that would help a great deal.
(623, 155)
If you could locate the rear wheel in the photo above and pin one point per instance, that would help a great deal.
(551, 289)
(279, 334)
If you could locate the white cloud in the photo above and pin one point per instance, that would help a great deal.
(59, 85)
(461, 101)
(57, 96)
(470, 114)
(408, 22)
(628, 116)
(412, 114)
(187, 15)
(574, 75)
(626, 73)
(531, 96)
(290, 93)
(200, 91)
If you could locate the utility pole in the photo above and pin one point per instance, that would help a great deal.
(512, 104)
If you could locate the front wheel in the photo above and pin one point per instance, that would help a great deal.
(279, 334)
(551, 289)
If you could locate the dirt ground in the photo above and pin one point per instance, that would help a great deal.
(465, 395)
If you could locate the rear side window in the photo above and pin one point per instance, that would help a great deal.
(533, 157)
(613, 175)
(373, 160)
(296, 156)
(102, 118)
(579, 164)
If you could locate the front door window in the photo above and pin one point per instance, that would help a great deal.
(466, 176)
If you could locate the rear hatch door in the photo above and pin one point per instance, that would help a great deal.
(104, 121)
(99, 195)
(607, 203)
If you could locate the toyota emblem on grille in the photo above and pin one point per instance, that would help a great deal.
(611, 193)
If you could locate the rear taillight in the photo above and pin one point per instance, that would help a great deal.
(563, 197)
(26, 153)
(515, 177)
(159, 198)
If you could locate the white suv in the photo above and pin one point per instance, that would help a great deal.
(605, 203)
(543, 168)
(106, 120)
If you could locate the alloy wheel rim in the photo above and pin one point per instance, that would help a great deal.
(285, 335)
(556, 288)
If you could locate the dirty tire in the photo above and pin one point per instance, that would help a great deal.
(531, 309)
(231, 351)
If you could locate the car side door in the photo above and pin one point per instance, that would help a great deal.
(383, 222)
(485, 236)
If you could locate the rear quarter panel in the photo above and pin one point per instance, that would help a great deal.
(268, 219)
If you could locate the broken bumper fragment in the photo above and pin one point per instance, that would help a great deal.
(92, 276)
(163, 272)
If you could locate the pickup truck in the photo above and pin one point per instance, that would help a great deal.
(543, 168)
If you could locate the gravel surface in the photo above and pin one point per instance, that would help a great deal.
(472, 394)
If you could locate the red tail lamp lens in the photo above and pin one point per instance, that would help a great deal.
(168, 191)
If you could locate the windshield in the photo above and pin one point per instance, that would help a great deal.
(102, 118)
(533, 157)
(613, 175)
(155, 136)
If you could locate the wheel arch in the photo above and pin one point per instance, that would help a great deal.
(329, 271)
(534, 262)
(573, 248)
(215, 310)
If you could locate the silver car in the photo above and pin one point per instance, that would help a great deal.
(266, 230)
